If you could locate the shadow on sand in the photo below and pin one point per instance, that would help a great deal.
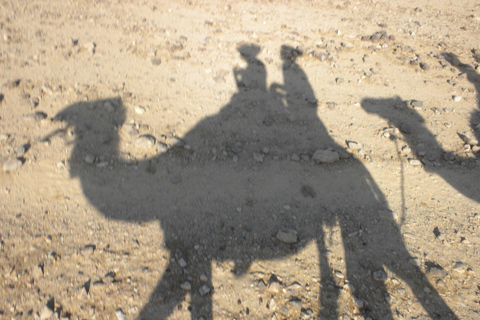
(242, 157)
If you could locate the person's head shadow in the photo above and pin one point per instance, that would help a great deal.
(243, 185)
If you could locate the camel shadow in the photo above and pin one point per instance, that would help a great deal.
(220, 192)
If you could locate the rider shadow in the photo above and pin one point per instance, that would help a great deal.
(219, 194)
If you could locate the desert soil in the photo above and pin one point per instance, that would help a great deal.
(204, 177)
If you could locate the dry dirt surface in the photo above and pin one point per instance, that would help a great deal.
(239, 159)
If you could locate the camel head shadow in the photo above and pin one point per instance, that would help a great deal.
(411, 129)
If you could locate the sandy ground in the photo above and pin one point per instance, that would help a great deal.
(239, 159)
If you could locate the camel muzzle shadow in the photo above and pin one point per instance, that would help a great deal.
(242, 158)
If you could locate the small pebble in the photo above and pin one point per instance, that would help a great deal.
(436, 272)
(120, 315)
(295, 157)
(187, 286)
(89, 158)
(182, 262)
(354, 145)
(457, 98)
(415, 162)
(425, 66)
(449, 156)
(325, 156)
(295, 303)
(459, 267)
(416, 104)
(12, 165)
(380, 275)
(20, 150)
(46, 313)
(140, 110)
(258, 157)
(145, 141)
(204, 290)
(13, 83)
(287, 236)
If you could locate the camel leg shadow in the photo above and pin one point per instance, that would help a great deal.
(169, 295)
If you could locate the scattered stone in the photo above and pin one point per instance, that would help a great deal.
(12, 165)
(353, 145)
(203, 278)
(204, 290)
(295, 157)
(358, 302)
(37, 272)
(11, 84)
(339, 80)
(459, 267)
(307, 314)
(349, 287)
(449, 156)
(415, 162)
(331, 105)
(21, 149)
(425, 66)
(2, 96)
(90, 158)
(47, 310)
(91, 47)
(156, 61)
(120, 315)
(436, 272)
(295, 286)
(376, 37)
(88, 250)
(145, 141)
(46, 313)
(161, 148)
(415, 262)
(274, 284)
(320, 55)
(457, 98)
(109, 106)
(416, 104)
(295, 303)
(406, 149)
(308, 191)
(406, 128)
(258, 157)
(182, 262)
(140, 110)
(36, 117)
(187, 286)
(380, 275)
(469, 138)
(287, 236)
(441, 283)
(325, 156)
